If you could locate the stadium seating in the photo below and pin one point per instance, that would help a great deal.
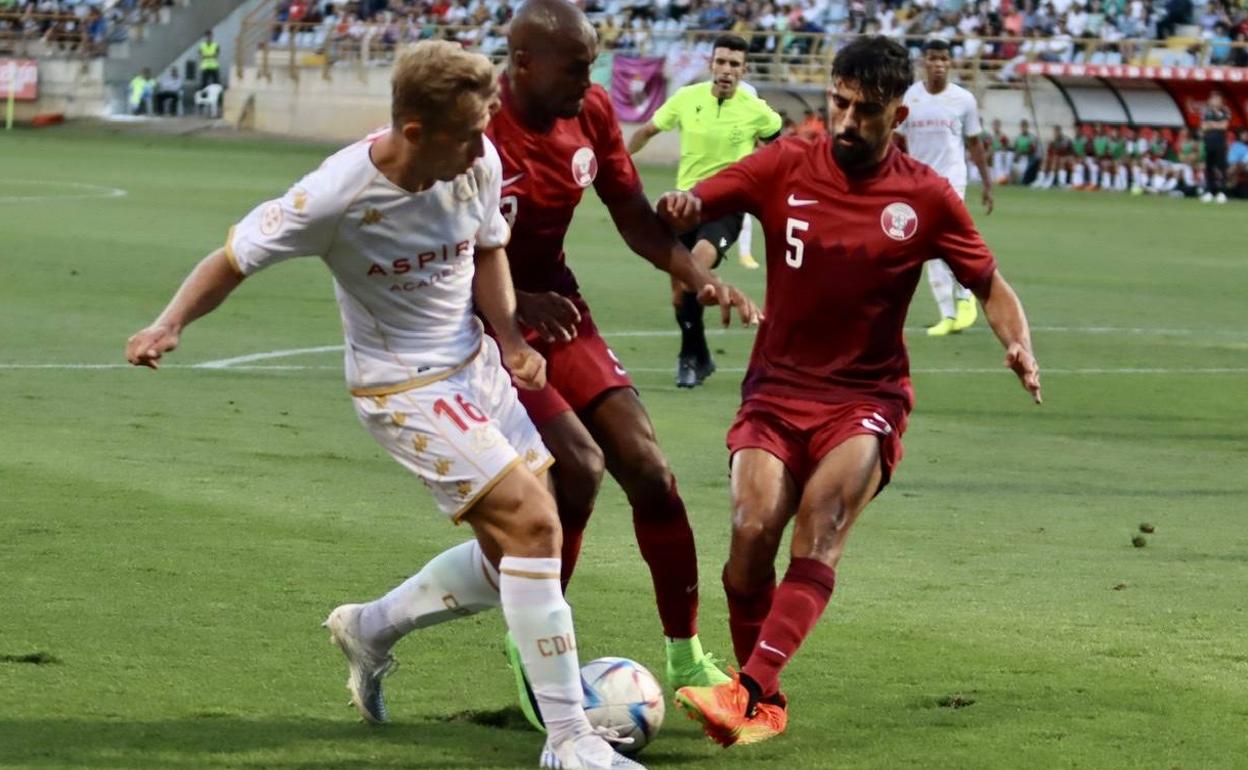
(72, 28)
(789, 41)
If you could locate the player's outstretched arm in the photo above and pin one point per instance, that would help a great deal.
(649, 235)
(1009, 322)
(204, 289)
(495, 297)
(641, 136)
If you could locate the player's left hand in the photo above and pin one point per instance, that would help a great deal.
(527, 367)
(682, 210)
(987, 198)
(729, 297)
(1023, 363)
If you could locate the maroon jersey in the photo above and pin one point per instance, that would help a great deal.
(843, 258)
(544, 177)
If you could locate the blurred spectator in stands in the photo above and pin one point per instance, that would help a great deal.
(1237, 160)
(209, 60)
(141, 89)
(1220, 44)
(1239, 54)
(1178, 13)
(169, 92)
(503, 13)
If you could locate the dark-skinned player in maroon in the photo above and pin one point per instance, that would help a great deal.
(557, 136)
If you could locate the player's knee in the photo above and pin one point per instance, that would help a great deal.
(646, 478)
(536, 529)
(525, 516)
(580, 467)
(578, 477)
(822, 529)
(753, 526)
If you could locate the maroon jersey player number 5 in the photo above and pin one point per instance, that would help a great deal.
(849, 221)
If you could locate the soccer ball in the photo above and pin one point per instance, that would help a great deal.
(621, 695)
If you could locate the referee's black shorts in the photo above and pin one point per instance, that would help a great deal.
(720, 233)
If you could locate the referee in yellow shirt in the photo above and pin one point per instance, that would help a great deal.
(720, 123)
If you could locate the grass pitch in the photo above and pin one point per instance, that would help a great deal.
(170, 541)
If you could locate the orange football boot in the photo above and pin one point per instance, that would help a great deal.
(722, 712)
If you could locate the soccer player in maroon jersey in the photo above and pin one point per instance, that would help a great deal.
(849, 220)
(557, 135)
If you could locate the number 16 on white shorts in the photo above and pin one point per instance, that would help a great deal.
(460, 435)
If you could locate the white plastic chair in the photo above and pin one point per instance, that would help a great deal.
(209, 96)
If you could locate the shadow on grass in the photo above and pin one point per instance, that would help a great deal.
(218, 740)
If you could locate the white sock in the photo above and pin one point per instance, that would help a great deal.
(1077, 177)
(1063, 178)
(745, 242)
(1107, 180)
(940, 278)
(540, 622)
(456, 583)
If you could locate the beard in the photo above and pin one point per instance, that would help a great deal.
(855, 155)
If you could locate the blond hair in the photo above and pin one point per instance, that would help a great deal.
(432, 78)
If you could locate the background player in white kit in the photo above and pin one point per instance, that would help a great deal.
(408, 222)
(942, 127)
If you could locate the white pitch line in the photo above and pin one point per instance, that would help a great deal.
(655, 370)
(226, 363)
(92, 191)
(1003, 370)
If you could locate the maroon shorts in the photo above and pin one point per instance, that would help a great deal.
(577, 372)
(800, 433)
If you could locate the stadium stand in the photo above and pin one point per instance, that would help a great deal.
(72, 28)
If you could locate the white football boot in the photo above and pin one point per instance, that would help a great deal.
(366, 666)
(590, 751)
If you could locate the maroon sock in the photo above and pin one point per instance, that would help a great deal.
(746, 613)
(575, 506)
(571, 552)
(666, 542)
(800, 600)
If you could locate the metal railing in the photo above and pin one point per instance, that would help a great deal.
(774, 57)
(67, 35)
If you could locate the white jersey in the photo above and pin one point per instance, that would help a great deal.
(937, 127)
(403, 263)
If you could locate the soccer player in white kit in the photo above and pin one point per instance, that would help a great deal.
(408, 223)
(942, 126)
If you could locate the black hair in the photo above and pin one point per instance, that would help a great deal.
(879, 65)
(731, 42)
(936, 44)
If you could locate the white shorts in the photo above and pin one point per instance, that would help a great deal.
(460, 435)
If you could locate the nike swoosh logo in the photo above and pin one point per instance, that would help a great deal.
(769, 648)
(796, 201)
(691, 588)
(512, 180)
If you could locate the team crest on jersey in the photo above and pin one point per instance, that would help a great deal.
(271, 219)
(899, 221)
(584, 166)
